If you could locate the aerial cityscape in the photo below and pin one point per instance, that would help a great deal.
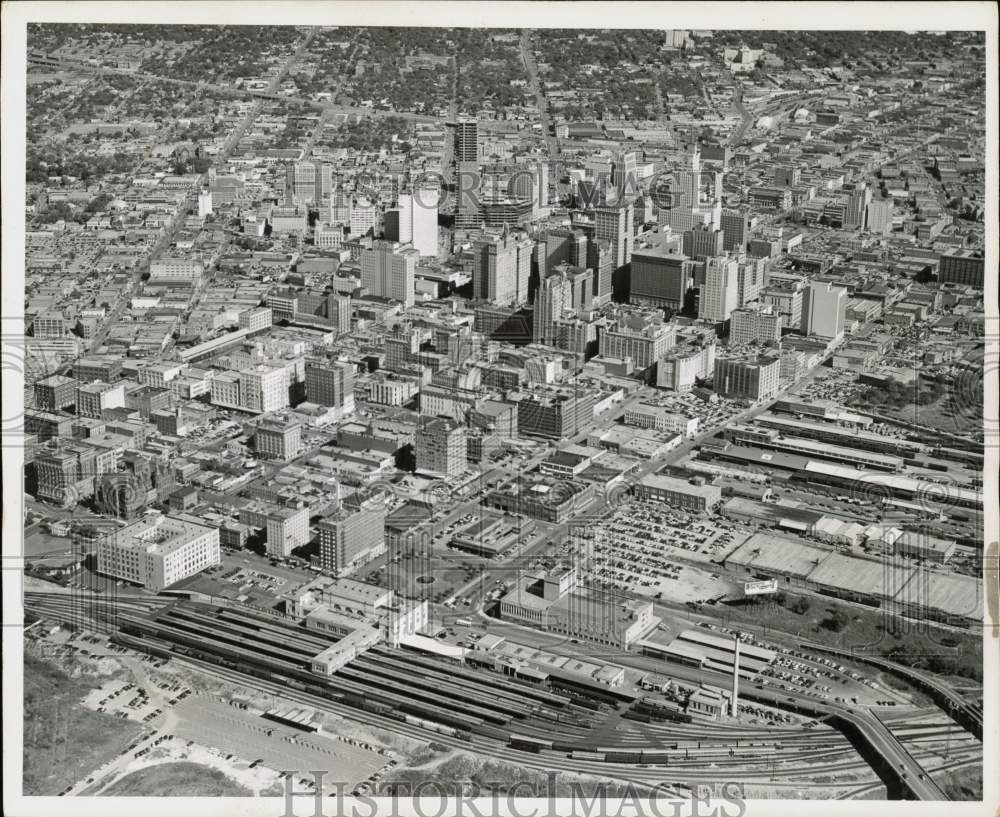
(536, 411)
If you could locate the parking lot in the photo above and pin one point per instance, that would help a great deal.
(240, 734)
(646, 548)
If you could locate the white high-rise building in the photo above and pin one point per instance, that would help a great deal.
(720, 293)
(388, 271)
(823, 310)
(362, 218)
(502, 267)
(204, 203)
(553, 299)
(418, 221)
(158, 551)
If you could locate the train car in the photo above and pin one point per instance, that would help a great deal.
(641, 717)
(526, 743)
(378, 707)
(581, 688)
(621, 755)
(581, 755)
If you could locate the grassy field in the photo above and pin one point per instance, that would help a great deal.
(456, 774)
(868, 630)
(176, 780)
(962, 784)
(57, 725)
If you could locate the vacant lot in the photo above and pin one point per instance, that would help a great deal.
(56, 725)
(176, 780)
(867, 630)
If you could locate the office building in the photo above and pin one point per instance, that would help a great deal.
(364, 216)
(640, 335)
(683, 366)
(175, 269)
(308, 182)
(753, 379)
(615, 225)
(555, 414)
(388, 271)
(351, 536)
(553, 299)
(786, 298)
(284, 528)
(564, 246)
(278, 440)
(92, 399)
(466, 140)
(289, 219)
(855, 209)
(660, 277)
(703, 242)
(502, 267)
(879, 217)
(328, 236)
(257, 319)
(719, 295)
(751, 279)
(962, 267)
(735, 230)
(55, 392)
(823, 309)
(331, 383)
(762, 325)
(158, 551)
(204, 203)
(415, 221)
(787, 176)
(440, 446)
(693, 495)
(258, 390)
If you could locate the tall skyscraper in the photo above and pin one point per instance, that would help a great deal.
(388, 270)
(414, 220)
(614, 224)
(553, 299)
(501, 268)
(204, 203)
(351, 536)
(331, 383)
(624, 177)
(720, 293)
(735, 230)
(752, 279)
(855, 208)
(879, 217)
(823, 308)
(466, 140)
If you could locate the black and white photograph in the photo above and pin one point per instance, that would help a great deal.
(500, 408)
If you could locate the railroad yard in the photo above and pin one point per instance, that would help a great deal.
(574, 725)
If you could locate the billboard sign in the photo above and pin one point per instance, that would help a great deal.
(760, 588)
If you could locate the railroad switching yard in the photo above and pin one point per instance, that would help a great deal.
(649, 717)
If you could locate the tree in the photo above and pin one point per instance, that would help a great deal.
(836, 621)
